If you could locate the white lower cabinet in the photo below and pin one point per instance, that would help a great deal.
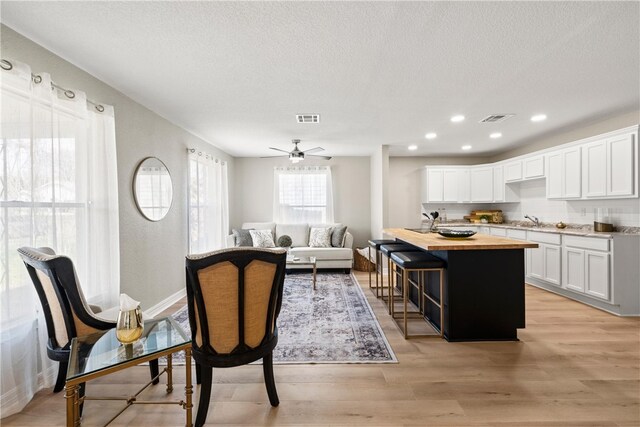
(545, 261)
(573, 261)
(597, 274)
(552, 263)
(587, 270)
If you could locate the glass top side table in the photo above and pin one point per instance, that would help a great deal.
(304, 260)
(93, 356)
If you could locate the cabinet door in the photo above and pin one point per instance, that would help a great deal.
(513, 171)
(597, 274)
(435, 185)
(424, 185)
(498, 184)
(450, 187)
(554, 175)
(533, 167)
(595, 169)
(535, 262)
(464, 185)
(552, 262)
(482, 184)
(573, 269)
(620, 166)
(572, 173)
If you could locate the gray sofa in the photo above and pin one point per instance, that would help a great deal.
(334, 257)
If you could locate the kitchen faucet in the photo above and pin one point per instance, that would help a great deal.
(536, 221)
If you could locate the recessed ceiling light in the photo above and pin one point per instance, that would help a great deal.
(466, 147)
(412, 147)
(457, 118)
(538, 117)
(431, 135)
(495, 135)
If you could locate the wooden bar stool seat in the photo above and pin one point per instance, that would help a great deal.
(375, 245)
(419, 262)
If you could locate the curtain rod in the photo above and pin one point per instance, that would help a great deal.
(8, 66)
(206, 155)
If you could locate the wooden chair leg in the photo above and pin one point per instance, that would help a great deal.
(62, 377)
(154, 369)
(206, 376)
(198, 374)
(269, 380)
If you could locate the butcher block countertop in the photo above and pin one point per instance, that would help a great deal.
(435, 242)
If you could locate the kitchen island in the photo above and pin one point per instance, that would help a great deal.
(483, 286)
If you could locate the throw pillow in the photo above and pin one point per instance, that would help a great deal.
(242, 237)
(337, 236)
(262, 239)
(320, 238)
(284, 241)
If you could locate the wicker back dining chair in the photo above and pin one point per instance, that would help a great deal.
(66, 311)
(234, 298)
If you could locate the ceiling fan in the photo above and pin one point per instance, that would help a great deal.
(296, 155)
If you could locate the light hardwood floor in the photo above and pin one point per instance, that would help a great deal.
(573, 366)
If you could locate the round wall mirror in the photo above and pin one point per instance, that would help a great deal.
(152, 189)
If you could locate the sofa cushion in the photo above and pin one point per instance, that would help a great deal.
(299, 233)
(242, 237)
(261, 226)
(262, 239)
(337, 236)
(323, 253)
(320, 238)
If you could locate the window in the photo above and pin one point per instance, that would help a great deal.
(58, 188)
(208, 203)
(303, 195)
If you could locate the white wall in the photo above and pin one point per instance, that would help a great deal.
(151, 253)
(254, 198)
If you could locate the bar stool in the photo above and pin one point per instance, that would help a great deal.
(375, 244)
(386, 251)
(420, 263)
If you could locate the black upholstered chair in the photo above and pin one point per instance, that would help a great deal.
(234, 298)
(66, 311)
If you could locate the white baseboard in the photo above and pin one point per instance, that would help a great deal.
(15, 399)
(166, 303)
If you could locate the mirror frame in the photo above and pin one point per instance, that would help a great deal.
(135, 193)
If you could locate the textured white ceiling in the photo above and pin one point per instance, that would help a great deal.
(236, 73)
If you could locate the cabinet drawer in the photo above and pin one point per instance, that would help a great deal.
(502, 232)
(587, 243)
(536, 236)
(517, 234)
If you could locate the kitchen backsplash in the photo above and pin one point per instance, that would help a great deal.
(533, 201)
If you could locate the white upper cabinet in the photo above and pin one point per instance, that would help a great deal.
(464, 185)
(610, 167)
(435, 185)
(533, 167)
(450, 185)
(439, 185)
(498, 184)
(564, 174)
(620, 161)
(513, 171)
(482, 184)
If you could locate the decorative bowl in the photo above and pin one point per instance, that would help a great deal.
(455, 234)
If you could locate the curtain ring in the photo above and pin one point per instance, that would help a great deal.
(37, 79)
(100, 108)
(69, 94)
(6, 65)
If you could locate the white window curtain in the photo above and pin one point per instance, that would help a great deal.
(208, 202)
(58, 188)
(302, 194)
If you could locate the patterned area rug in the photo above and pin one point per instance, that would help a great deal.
(333, 324)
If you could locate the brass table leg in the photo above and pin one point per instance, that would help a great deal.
(188, 389)
(73, 407)
(169, 373)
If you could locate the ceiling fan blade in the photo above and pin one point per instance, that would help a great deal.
(277, 149)
(271, 157)
(313, 150)
(320, 157)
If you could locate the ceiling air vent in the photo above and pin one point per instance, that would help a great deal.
(308, 118)
(496, 118)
